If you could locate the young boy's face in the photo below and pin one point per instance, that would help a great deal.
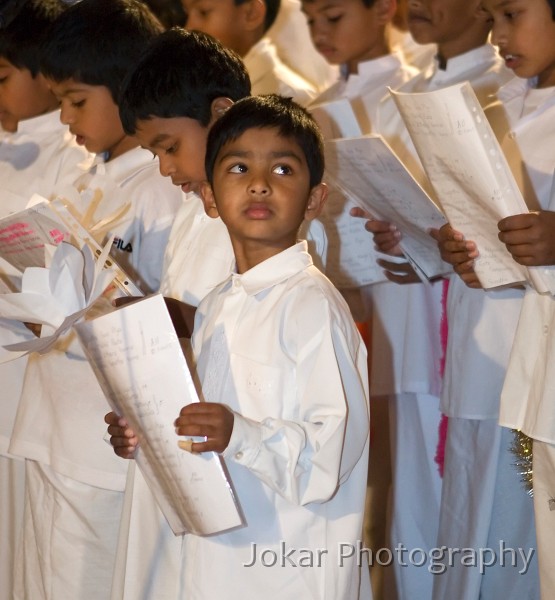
(346, 31)
(524, 30)
(441, 21)
(180, 145)
(261, 190)
(222, 19)
(92, 116)
(22, 96)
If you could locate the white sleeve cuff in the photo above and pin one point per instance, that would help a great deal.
(245, 441)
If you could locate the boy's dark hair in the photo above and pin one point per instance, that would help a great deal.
(552, 4)
(96, 42)
(169, 12)
(179, 75)
(24, 26)
(268, 112)
(272, 9)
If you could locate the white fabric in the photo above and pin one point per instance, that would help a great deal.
(65, 429)
(417, 55)
(269, 75)
(39, 156)
(406, 318)
(74, 480)
(416, 489)
(527, 397)
(68, 541)
(366, 88)
(278, 346)
(291, 36)
(544, 493)
(484, 505)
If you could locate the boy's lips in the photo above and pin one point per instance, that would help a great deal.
(258, 211)
(511, 60)
(416, 18)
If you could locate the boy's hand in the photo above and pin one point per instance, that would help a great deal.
(206, 419)
(530, 237)
(458, 252)
(386, 235)
(400, 273)
(122, 437)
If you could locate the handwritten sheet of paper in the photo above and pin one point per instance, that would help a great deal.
(468, 172)
(366, 169)
(336, 119)
(138, 361)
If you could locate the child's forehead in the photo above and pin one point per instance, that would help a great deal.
(322, 5)
(156, 130)
(262, 140)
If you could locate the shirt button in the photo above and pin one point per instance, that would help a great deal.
(512, 135)
(239, 455)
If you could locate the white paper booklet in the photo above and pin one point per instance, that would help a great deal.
(351, 257)
(136, 356)
(470, 176)
(23, 236)
(367, 170)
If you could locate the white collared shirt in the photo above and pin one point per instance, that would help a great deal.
(278, 346)
(269, 75)
(65, 429)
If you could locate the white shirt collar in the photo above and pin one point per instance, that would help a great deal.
(123, 167)
(273, 271)
(47, 123)
(458, 65)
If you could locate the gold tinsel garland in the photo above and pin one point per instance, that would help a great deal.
(522, 450)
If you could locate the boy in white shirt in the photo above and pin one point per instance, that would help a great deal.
(241, 25)
(74, 488)
(524, 122)
(291, 414)
(37, 153)
(410, 321)
(353, 34)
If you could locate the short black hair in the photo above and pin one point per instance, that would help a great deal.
(96, 42)
(268, 112)
(24, 28)
(179, 75)
(169, 12)
(552, 4)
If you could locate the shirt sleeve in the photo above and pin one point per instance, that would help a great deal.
(306, 459)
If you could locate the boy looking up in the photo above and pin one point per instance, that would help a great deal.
(241, 25)
(74, 488)
(296, 441)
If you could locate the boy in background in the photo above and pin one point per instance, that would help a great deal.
(74, 488)
(297, 453)
(37, 153)
(524, 122)
(409, 328)
(353, 35)
(192, 80)
(241, 25)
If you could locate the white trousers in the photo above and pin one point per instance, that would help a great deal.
(416, 492)
(69, 538)
(485, 509)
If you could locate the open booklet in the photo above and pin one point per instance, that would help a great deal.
(137, 358)
(367, 170)
(351, 256)
(24, 235)
(471, 178)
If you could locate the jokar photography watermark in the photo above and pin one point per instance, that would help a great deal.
(436, 560)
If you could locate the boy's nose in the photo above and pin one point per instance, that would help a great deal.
(259, 185)
(66, 115)
(166, 166)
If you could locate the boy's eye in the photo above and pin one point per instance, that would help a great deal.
(238, 168)
(334, 18)
(171, 150)
(282, 170)
(78, 103)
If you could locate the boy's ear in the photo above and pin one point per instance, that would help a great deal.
(254, 13)
(218, 107)
(316, 200)
(208, 200)
(385, 10)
